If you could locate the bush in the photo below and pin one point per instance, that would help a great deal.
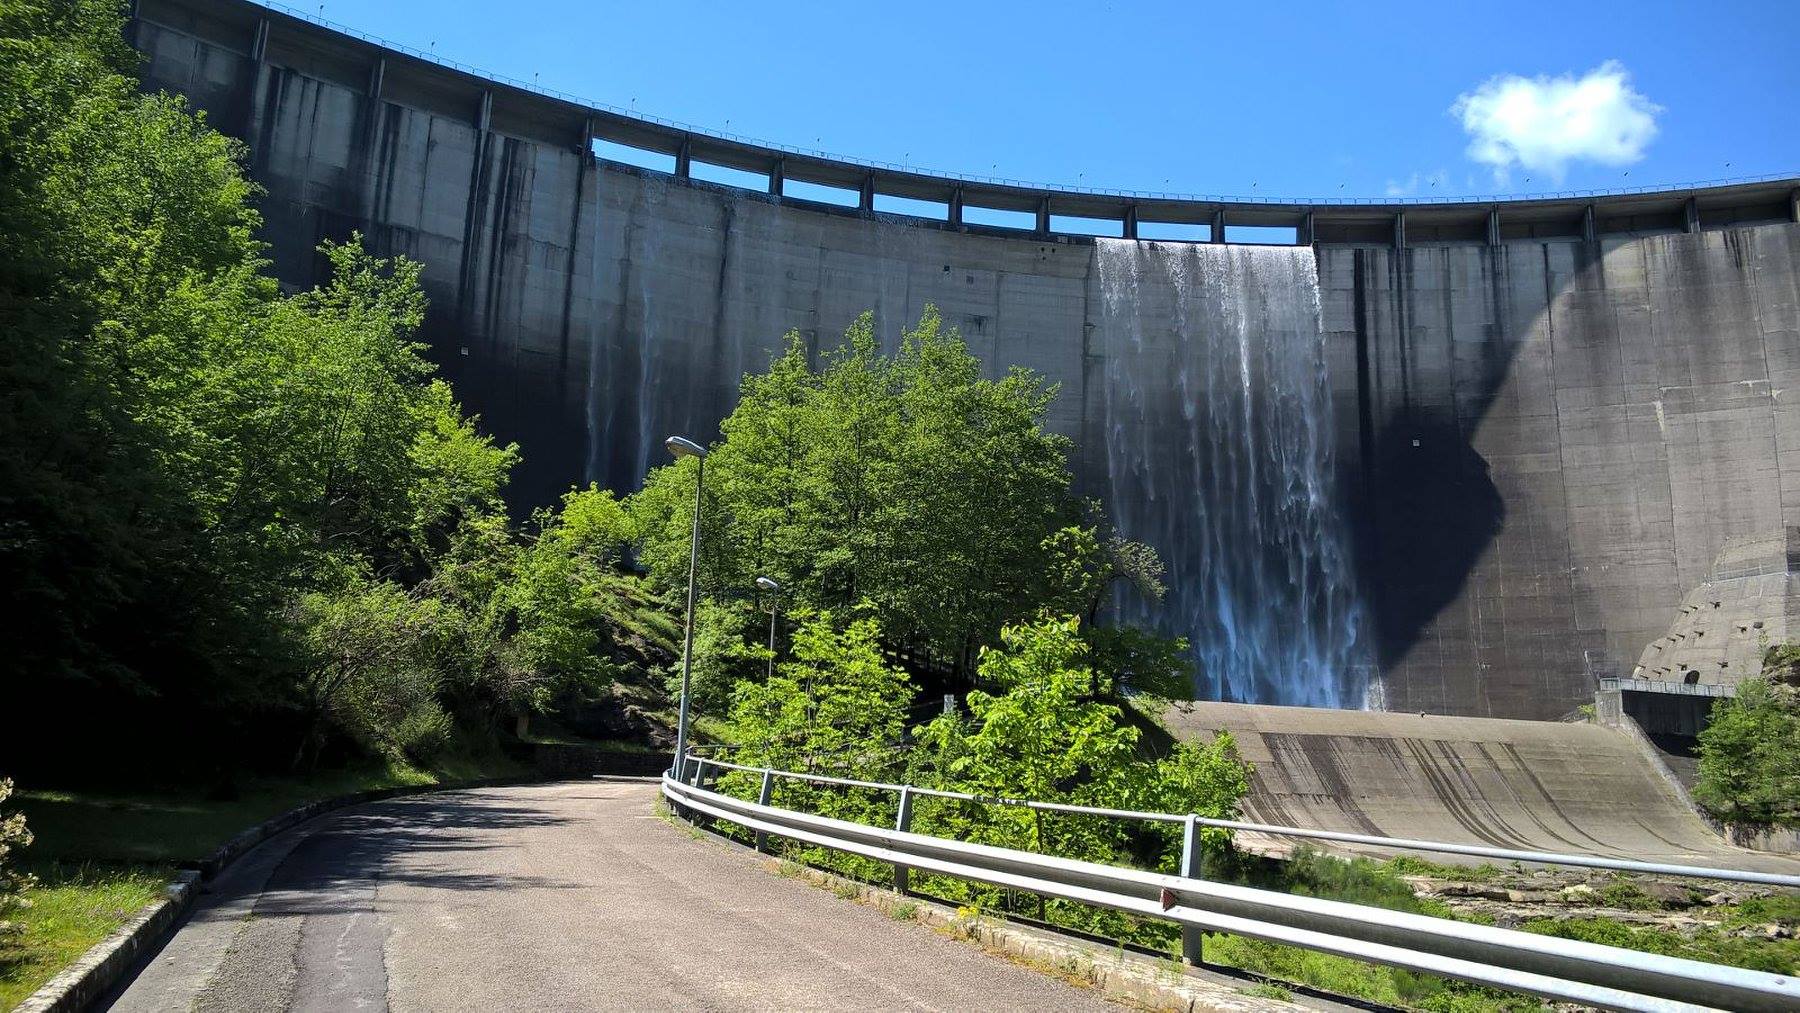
(13, 883)
(1750, 757)
(371, 675)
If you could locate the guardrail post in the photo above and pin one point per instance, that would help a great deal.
(762, 798)
(903, 824)
(1192, 865)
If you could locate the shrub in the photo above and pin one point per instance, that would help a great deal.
(13, 883)
(371, 676)
(1750, 757)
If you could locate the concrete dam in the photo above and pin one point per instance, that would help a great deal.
(1464, 458)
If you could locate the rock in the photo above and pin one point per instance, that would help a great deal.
(1530, 896)
(1457, 890)
(1722, 897)
(1580, 893)
(1775, 931)
(1667, 894)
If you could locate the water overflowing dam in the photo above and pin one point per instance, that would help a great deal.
(1466, 458)
(1219, 453)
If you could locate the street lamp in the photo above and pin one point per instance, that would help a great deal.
(681, 446)
(768, 584)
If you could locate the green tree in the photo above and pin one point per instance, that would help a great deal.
(190, 462)
(835, 706)
(907, 481)
(1050, 733)
(1749, 769)
(575, 613)
(836, 703)
(370, 671)
(1043, 736)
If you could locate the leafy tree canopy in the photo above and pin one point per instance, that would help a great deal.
(909, 482)
(1750, 756)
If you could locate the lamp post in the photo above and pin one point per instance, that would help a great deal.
(769, 584)
(681, 446)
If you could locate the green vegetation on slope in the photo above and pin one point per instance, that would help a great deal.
(1750, 749)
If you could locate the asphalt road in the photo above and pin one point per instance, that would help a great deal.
(547, 897)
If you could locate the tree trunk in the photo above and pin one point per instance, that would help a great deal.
(522, 724)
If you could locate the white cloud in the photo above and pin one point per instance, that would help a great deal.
(1433, 182)
(1542, 124)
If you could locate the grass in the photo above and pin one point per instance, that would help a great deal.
(1380, 883)
(1387, 985)
(1777, 956)
(1409, 865)
(1622, 893)
(73, 907)
(1362, 881)
(185, 824)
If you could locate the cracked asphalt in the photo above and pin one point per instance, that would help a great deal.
(550, 897)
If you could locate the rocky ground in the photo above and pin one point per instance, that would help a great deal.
(1512, 897)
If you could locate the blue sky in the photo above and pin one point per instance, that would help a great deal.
(1261, 98)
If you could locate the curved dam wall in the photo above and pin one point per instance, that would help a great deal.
(1433, 462)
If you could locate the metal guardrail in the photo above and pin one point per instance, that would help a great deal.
(1337, 837)
(1566, 970)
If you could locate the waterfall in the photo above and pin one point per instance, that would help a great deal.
(1219, 447)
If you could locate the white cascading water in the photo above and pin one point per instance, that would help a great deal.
(1219, 450)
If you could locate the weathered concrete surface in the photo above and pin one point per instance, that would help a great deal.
(1553, 441)
(568, 896)
(1534, 785)
(1540, 443)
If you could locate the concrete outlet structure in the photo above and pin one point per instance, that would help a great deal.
(1526, 429)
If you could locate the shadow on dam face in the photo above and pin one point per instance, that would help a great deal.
(1438, 510)
(1504, 464)
(1423, 501)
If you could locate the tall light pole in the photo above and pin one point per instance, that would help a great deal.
(681, 446)
(768, 584)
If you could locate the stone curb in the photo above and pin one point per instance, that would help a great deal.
(105, 964)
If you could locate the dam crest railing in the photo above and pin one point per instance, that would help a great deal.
(950, 176)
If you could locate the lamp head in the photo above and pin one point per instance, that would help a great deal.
(681, 446)
(768, 585)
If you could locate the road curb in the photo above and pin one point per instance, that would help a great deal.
(107, 962)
